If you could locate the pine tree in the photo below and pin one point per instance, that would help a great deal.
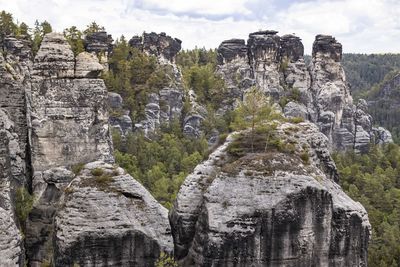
(252, 112)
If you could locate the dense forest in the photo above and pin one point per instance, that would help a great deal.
(374, 180)
(364, 71)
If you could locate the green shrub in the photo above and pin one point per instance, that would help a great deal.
(77, 168)
(104, 179)
(97, 172)
(166, 260)
(305, 157)
(296, 120)
(23, 204)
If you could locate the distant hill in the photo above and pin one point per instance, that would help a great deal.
(364, 71)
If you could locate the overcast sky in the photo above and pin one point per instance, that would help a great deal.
(362, 26)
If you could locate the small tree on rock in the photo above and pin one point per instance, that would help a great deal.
(253, 111)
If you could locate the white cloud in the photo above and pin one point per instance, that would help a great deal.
(205, 7)
(360, 25)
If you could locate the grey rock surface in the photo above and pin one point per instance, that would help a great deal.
(159, 45)
(69, 116)
(269, 208)
(11, 178)
(40, 224)
(320, 92)
(15, 66)
(55, 58)
(109, 220)
(87, 66)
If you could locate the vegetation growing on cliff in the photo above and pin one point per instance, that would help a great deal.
(135, 75)
(374, 180)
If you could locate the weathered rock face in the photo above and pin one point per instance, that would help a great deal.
(165, 105)
(69, 115)
(99, 44)
(231, 49)
(159, 45)
(87, 66)
(91, 233)
(328, 46)
(69, 126)
(40, 224)
(15, 65)
(320, 94)
(11, 177)
(269, 208)
(119, 117)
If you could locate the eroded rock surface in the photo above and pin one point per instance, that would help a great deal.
(319, 93)
(11, 178)
(109, 219)
(271, 207)
(69, 116)
(159, 45)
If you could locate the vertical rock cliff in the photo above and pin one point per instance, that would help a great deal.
(15, 64)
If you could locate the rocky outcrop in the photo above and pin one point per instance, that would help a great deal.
(69, 127)
(11, 178)
(87, 66)
(15, 65)
(276, 206)
(319, 93)
(119, 117)
(100, 44)
(108, 219)
(164, 105)
(40, 224)
(159, 45)
(63, 104)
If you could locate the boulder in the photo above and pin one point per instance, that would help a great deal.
(87, 66)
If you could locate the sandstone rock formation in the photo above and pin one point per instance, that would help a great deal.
(14, 73)
(69, 115)
(319, 93)
(11, 178)
(69, 127)
(90, 233)
(272, 207)
(119, 117)
(99, 44)
(165, 105)
(15, 65)
(159, 45)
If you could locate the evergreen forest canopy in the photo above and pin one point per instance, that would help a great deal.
(162, 163)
